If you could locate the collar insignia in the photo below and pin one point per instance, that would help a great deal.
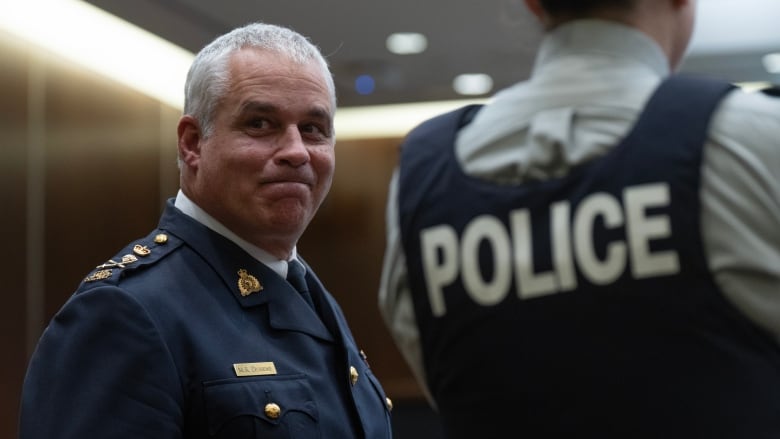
(248, 284)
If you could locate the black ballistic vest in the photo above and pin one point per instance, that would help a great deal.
(582, 306)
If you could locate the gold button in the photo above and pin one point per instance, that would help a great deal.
(272, 410)
(162, 238)
(389, 403)
(353, 375)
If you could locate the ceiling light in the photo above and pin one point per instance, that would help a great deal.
(472, 84)
(94, 39)
(365, 84)
(389, 121)
(772, 62)
(406, 43)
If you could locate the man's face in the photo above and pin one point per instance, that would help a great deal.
(269, 161)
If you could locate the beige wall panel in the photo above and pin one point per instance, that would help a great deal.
(13, 184)
(169, 172)
(102, 175)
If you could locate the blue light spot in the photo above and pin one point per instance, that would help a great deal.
(364, 84)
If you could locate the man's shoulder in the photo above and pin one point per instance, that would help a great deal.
(746, 115)
(766, 100)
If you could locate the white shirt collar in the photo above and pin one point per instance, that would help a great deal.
(584, 63)
(601, 38)
(189, 208)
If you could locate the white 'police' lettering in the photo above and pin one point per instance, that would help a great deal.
(445, 254)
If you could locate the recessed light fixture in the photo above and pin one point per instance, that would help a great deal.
(365, 84)
(471, 84)
(772, 62)
(406, 43)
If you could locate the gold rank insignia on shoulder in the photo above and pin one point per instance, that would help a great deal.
(247, 284)
(141, 250)
(126, 260)
(98, 275)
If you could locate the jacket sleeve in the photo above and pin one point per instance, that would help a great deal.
(740, 194)
(101, 369)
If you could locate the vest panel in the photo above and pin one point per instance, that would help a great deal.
(582, 304)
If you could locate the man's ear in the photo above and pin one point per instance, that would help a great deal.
(190, 136)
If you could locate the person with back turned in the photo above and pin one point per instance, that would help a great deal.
(595, 252)
(194, 331)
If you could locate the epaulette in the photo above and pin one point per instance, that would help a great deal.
(139, 254)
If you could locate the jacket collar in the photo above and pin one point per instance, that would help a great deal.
(249, 281)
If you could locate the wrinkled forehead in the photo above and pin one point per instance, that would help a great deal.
(278, 73)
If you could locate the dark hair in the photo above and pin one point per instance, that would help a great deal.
(570, 9)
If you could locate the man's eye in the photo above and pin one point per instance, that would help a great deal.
(314, 130)
(258, 123)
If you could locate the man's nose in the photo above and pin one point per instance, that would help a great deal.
(292, 147)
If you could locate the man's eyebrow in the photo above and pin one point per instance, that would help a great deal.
(316, 112)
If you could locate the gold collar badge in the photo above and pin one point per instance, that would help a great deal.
(247, 284)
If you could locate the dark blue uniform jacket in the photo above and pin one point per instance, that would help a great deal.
(582, 306)
(184, 335)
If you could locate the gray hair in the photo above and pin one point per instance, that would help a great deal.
(209, 78)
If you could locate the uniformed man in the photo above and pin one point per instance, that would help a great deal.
(590, 254)
(193, 331)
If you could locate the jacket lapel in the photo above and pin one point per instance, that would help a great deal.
(249, 281)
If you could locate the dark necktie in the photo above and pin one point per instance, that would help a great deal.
(296, 273)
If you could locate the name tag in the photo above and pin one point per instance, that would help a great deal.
(254, 369)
